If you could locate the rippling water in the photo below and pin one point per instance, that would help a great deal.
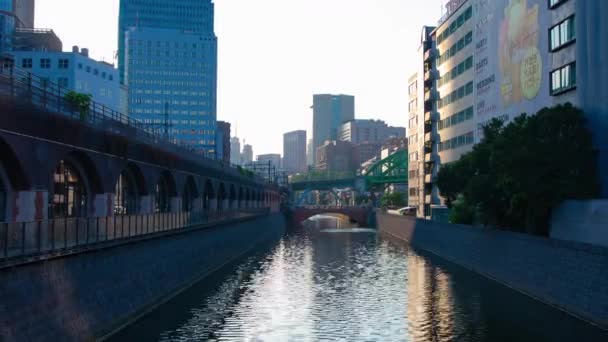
(346, 284)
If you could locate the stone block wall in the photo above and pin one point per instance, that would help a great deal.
(83, 297)
(569, 275)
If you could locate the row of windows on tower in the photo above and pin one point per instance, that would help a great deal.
(166, 92)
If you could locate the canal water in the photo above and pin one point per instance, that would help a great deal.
(330, 281)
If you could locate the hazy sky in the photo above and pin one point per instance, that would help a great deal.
(274, 54)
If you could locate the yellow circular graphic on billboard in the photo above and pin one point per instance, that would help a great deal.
(531, 73)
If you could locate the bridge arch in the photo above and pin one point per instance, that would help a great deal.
(12, 179)
(240, 197)
(164, 192)
(233, 202)
(221, 197)
(129, 189)
(355, 214)
(208, 195)
(189, 195)
(74, 183)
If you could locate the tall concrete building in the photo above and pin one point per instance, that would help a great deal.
(310, 155)
(167, 56)
(329, 113)
(223, 142)
(294, 152)
(369, 135)
(497, 59)
(14, 14)
(247, 155)
(338, 156)
(235, 151)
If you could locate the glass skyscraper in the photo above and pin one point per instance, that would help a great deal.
(167, 57)
(14, 14)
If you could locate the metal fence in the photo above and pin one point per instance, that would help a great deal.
(21, 240)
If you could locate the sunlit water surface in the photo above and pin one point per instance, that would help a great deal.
(325, 283)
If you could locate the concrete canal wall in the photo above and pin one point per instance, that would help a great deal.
(86, 296)
(569, 275)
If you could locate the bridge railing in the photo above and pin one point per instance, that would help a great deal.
(23, 240)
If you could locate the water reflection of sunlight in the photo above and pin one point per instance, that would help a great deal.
(329, 221)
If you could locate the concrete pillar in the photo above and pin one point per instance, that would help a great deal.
(28, 206)
(197, 204)
(146, 205)
(103, 205)
(176, 204)
(213, 205)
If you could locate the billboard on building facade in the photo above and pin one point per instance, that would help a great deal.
(511, 54)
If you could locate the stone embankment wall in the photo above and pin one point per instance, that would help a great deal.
(569, 275)
(86, 296)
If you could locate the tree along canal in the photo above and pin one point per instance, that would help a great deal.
(329, 281)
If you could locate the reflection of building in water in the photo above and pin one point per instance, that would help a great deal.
(430, 307)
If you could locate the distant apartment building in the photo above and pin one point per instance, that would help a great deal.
(223, 142)
(14, 14)
(167, 56)
(247, 155)
(338, 156)
(329, 113)
(415, 146)
(235, 151)
(369, 135)
(74, 71)
(498, 59)
(294, 152)
(272, 159)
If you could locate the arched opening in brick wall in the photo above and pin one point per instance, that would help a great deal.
(164, 191)
(190, 194)
(129, 189)
(232, 197)
(71, 196)
(221, 196)
(208, 195)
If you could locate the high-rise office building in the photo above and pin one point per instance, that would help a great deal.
(14, 14)
(167, 56)
(369, 135)
(247, 155)
(235, 151)
(501, 58)
(329, 113)
(294, 152)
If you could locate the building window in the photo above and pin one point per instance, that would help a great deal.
(456, 142)
(80, 66)
(62, 82)
(45, 63)
(63, 63)
(95, 72)
(26, 63)
(88, 69)
(562, 34)
(455, 119)
(563, 79)
(555, 3)
(455, 25)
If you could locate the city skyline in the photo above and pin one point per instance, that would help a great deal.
(375, 72)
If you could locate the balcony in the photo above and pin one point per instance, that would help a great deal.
(428, 148)
(428, 179)
(430, 95)
(428, 127)
(428, 199)
(430, 137)
(430, 75)
(429, 158)
(430, 54)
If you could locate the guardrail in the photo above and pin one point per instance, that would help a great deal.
(26, 240)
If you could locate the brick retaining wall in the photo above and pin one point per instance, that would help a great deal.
(571, 276)
(83, 297)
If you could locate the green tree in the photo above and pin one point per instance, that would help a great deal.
(395, 199)
(79, 102)
(521, 171)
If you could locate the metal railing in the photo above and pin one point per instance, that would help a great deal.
(26, 240)
(49, 96)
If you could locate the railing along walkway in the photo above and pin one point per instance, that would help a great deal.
(22, 242)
